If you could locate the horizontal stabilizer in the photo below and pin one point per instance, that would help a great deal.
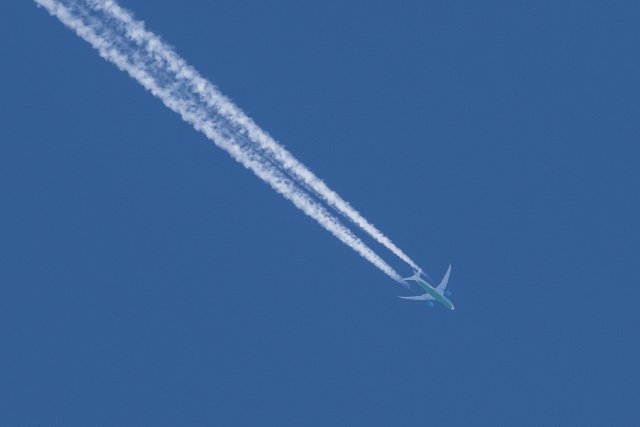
(415, 276)
(424, 297)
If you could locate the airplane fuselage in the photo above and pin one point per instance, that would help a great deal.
(435, 294)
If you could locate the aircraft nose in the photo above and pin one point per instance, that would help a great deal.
(452, 307)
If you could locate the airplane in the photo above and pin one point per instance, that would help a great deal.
(433, 294)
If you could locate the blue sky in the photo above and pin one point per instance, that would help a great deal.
(148, 279)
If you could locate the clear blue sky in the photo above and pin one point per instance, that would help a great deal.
(147, 279)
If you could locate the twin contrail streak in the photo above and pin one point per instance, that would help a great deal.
(120, 39)
(277, 153)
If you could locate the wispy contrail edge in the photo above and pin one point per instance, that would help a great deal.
(278, 182)
(283, 158)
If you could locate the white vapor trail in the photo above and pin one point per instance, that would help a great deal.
(123, 41)
(136, 31)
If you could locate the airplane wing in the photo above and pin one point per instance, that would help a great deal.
(443, 285)
(425, 297)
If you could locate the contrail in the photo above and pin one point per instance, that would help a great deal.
(139, 64)
(136, 32)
